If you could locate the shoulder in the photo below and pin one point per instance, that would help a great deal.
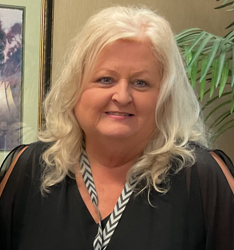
(38, 147)
(209, 181)
(22, 155)
(32, 154)
(35, 149)
(207, 160)
(213, 167)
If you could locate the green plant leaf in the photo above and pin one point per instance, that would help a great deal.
(224, 126)
(232, 79)
(224, 5)
(198, 39)
(187, 32)
(218, 134)
(223, 1)
(232, 103)
(227, 39)
(220, 119)
(188, 57)
(220, 67)
(206, 92)
(194, 73)
(216, 108)
(211, 57)
(214, 75)
(199, 50)
(208, 103)
(203, 82)
(218, 50)
(224, 77)
(230, 25)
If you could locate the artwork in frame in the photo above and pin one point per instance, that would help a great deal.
(11, 40)
(22, 92)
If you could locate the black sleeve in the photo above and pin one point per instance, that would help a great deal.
(226, 160)
(23, 182)
(218, 201)
(8, 160)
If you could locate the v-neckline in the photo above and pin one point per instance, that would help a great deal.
(103, 221)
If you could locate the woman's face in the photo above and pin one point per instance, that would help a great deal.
(120, 98)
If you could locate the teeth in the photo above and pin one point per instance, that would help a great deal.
(116, 113)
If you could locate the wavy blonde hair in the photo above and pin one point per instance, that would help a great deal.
(177, 114)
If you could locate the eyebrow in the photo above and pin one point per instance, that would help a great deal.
(115, 71)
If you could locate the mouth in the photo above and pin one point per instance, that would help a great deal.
(119, 113)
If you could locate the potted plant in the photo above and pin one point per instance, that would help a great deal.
(209, 65)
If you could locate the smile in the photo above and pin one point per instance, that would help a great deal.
(119, 114)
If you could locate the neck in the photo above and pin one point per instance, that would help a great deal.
(113, 153)
(113, 158)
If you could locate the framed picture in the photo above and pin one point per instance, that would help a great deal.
(25, 69)
(11, 65)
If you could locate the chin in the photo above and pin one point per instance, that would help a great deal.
(118, 134)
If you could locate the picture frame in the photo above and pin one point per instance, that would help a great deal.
(36, 64)
(46, 52)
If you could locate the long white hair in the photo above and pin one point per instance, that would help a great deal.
(177, 114)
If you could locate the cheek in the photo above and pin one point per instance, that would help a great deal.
(147, 108)
(77, 111)
(147, 105)
(80, 107)
(81, 114)
(88, 107)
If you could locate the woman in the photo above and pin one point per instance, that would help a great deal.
(122, 163)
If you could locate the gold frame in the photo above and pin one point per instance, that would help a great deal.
(46, 53)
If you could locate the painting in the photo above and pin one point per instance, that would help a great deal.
(11, 64)
(26, 29)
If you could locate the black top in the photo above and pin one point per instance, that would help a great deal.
(196, 213)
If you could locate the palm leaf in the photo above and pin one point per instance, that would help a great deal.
(218, 49)
(199, 50)
(214, 76)
(232, 80)
(188, 57)
(224, 77)
(184, 33)
(230, 25)
(220, 67)
(232, 103)
(221, 130)
(216, 108)
(211, 57)
(225, 4)
(194, 73)
(203, 82)
(209, 60)
(197, 40)
(218, 120)
(211, 101)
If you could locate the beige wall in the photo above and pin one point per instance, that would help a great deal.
(70, 15)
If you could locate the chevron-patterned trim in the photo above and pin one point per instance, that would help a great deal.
(103, 237)
(116, 214)
(88, 179)
(97, 244)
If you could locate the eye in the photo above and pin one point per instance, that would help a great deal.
(140, 84)
(105, 80)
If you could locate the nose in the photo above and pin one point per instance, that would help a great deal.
(122, 93)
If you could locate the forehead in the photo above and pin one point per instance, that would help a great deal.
(129, 52)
